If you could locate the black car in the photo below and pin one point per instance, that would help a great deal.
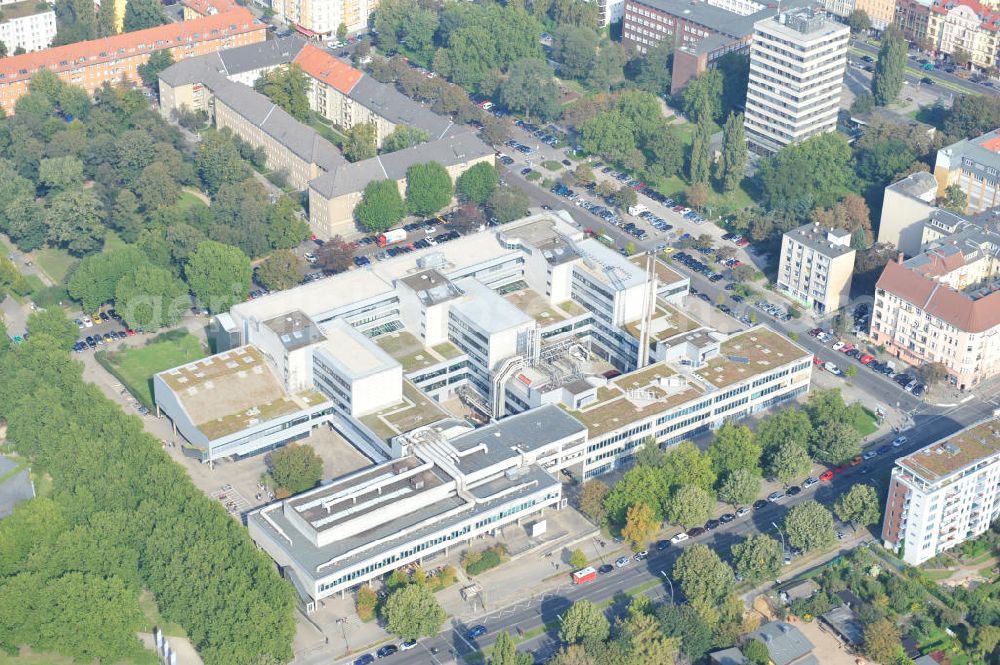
(695, 532)
(760, 503)
(711, 524)
(793, 490)
(902, 379)
(606, 568)
(919, 389)
(662, 545)
(387, 650)
(883, 450)
(727, 518)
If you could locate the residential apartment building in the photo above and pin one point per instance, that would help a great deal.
(610, 11)
(905, 205)
(816, 267)
(944, 494)
(880, 12)
(323, 17)
(701, 32)
(28, 24)
(943, 305)
(966, 25)
(912, 17)
(841, 8)
(797, 65)
(974, 166)
(219, 84)
(93, 63)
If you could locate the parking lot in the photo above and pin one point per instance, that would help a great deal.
(102, 328)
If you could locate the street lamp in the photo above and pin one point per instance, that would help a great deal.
(664, 573)
(343, 629)
(783, 550)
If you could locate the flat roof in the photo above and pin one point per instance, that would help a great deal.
(233, 390)
(955, 453)
(916, 185)
(608, 266)
(413, 411)
(667, 322)
(486, 308)
(664, 273)
(324, 296)
(815, 237)
(295, 330)
(16, 10)
(432, 287)
(634, 396)
(411, 353)
(356, 354)
(538, 307)
(748, 353)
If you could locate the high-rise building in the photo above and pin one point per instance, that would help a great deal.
(29, 25)
(324, 17)
(797, 64)
(944, 494)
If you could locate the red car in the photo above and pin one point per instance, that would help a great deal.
(866, 358)
(818, 362)
(840, 469)
(846, 348)
(742, 242)
(826, 475)
(677, 208)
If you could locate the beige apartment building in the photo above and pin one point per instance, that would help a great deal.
(973, 165)
(816, 267)
(966, 25)
(880, 12)
(323, 17)
(905, 205)
(943, 305)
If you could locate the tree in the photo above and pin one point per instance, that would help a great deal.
(654, 69)
(809, 526)
(697, 195)
(60, 174)
(835, 443)
(860, 506)
(733, 160)
(987, 638)
(508, 204)
(341, 32)
(402, 137)
(804, 175)
(296, 468)
(76, 221)
(863, 104)
(428, 188)
(142, 14)
(955, 198)
(703, 576)
(281, 270)
(584, 623)
(366, 602)
(756, 652)
(94, 279)
(336, 255)
(887, 81)
(690, 505)
(685, 464)
(700, 158)
(288, 87)
(787, 461)
(53, 322)
(413, 612)
(150, 297)
(574, 48)
(882, 641)
(684, 623)
(703, 97)
(646, 644)
(219, 275)
(626, 197)
(758, 558)
(961, 57)
(478, 183)
(739, 487)
(640, 525)
(149, 71)
(858, 21)
(640, 484)
(381, 206)
(607, 69)
(577, 559)
(156, 187)
(592, 496)
(530, 89)
(786, 425)
(218, 161)
(735, 447)
(505, 652)
(360, 142)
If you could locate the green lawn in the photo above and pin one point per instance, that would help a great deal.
(153, 619)
(327, 132)
(865, 422)
(148, 658)
(135, 367)
(55, 263)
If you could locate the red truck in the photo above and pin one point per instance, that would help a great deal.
(584, 575)
(391, 237)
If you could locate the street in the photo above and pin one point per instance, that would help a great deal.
(544, 609)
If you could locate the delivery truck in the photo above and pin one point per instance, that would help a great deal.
(391, 237)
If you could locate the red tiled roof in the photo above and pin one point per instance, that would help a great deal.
(107, 49)
(206, 7)
(993, 145)
(990, 18)
(940, 300)
(321, 65)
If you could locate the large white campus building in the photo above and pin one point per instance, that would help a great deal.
(533, 329)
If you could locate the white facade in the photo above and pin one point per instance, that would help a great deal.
(797, 65)
(944, 494)
(31, 31)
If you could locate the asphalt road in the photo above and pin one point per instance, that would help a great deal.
(545, 609)
(915, 73)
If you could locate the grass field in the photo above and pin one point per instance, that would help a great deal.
(147, 603)
(149, 658)
(135, 367)
(55, 263)
(865, 422)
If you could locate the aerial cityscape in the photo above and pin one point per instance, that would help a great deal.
(565, 332)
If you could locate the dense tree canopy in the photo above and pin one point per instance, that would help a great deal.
(702, 575)
(809, 526)
(890, 68)
(219, 275)
(815, 172)
(428, 188)
(296, 468)
(381, 206)
(142, 14)
(288, 87)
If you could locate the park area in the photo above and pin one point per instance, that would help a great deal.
(135, 366)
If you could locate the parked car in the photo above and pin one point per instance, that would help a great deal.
(605, 569)
(775, 496)
(899, 441)
(622, 561)
(387, 650)
(679, 538)
(407, 645)
(759, 503)
(809, 482)
(793, 490)
(662, 545)
(695, 532)
(727, 518)
(475, 632)
(366, 659)
(741, 511)
(826, 476)
(639, 556)
(711, 524)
